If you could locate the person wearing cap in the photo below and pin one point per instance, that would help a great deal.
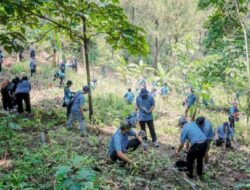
(233, 114)
(76, 111)
(192, 133)
(145, 104)
(120, 143)
(190, 101)
(129, 96)
(207, 128)
(22, 93)
(32, 66)
(225, 133)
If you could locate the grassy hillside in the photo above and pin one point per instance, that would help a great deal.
(66, 159)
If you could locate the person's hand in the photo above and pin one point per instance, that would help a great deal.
(177, 153)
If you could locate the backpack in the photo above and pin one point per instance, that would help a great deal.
(70, 104)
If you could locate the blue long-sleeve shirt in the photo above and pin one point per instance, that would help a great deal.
(207, 129)
(192, 133)
(23, 87)
(222, 132)
(119, 141)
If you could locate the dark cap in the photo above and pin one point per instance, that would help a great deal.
(85, 88)
(200, 121)
(144, 92)
(125, 125)
(69, 82)
(182, 121)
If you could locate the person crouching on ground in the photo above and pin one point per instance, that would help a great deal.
(76, 111)
(6, 98)
(23, 93)
(225, 134)
(207, 128)
(145, 103)
(192, 133)
(120, 144)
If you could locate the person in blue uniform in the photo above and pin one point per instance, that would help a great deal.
(192, 133)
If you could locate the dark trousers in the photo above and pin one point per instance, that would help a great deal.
(220, 141)
(7, 103)
(133, 144)
(196, 152)
(232, 122)
(32, 72)
(20, 97)
(74, 68)
(151, 127)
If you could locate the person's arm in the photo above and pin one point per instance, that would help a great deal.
(118, 149)
(182, 140)
(136, 106)
(153, 105)
(179, 149)
(123, 156)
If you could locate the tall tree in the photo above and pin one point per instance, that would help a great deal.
(227, 37)
(81, 21)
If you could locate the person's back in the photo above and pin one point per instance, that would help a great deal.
(225, 132)
(207, 129)
(32, 64)
(78, 102)
(67, 93)
(191, 99)
(23, 87)
(192, 133)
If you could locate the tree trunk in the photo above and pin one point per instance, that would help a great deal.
(247, 58)
(54, 57)
(85, 42)
(156, 53)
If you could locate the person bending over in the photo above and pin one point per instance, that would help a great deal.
(23, 94)
(192, 133)
(225, 134)
(207, 128)
(120, 143)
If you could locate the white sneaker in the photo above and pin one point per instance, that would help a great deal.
(156, 144)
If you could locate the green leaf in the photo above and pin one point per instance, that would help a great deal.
(62, 171)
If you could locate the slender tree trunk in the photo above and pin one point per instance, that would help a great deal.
(85, 42)
(54, 57)
(156, 53)
(247, 58)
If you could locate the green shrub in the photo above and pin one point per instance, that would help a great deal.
(110, 109)
(20, 68)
